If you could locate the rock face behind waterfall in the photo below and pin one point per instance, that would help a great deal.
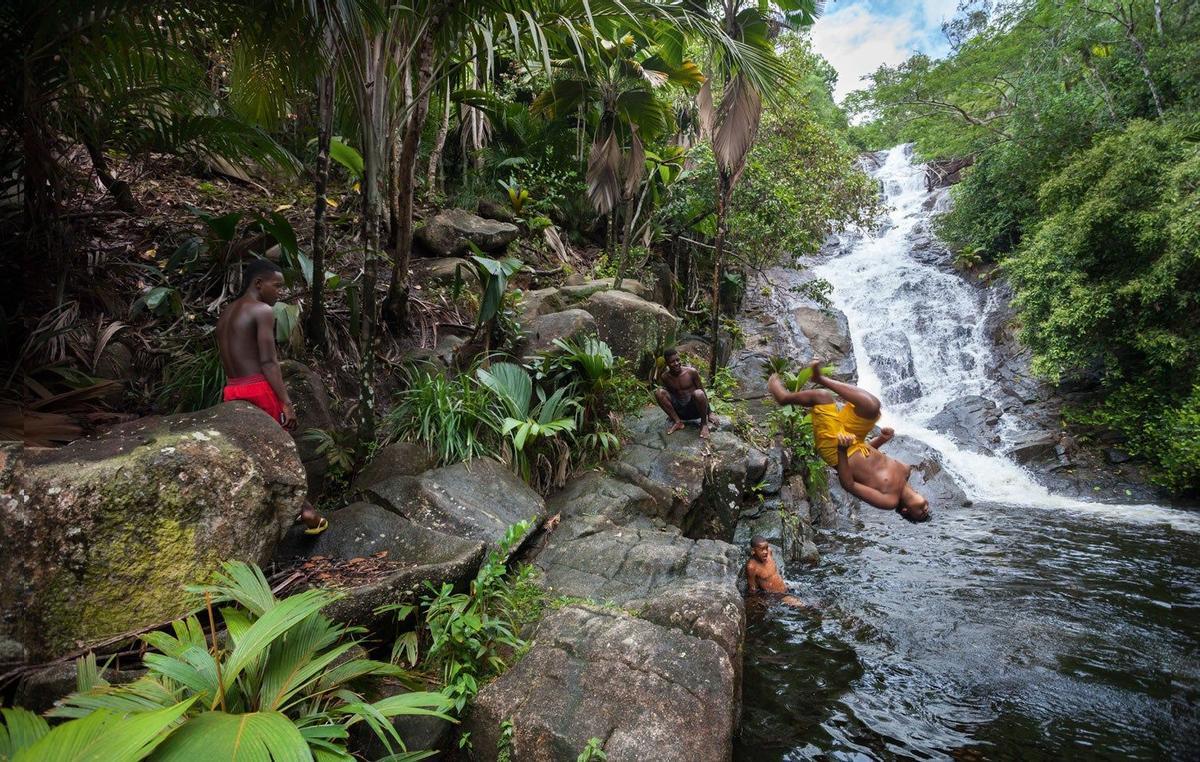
(101, 536)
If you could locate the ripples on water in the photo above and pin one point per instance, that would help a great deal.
(1027, 626)
(996, 632)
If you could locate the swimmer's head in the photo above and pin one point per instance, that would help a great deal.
(913, 506)
(759, 548)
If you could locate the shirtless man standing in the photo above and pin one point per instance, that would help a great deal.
(862, 469)
(682, 396)
(246, 342)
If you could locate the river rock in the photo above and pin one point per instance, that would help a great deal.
(970, 421)
(311, 400)
(397, 459)
(828, 336)
(695, 484)
(930, 476)
(891, 357)
(599, 494)
(101, 536)
(478, 500)
(421, 555)
(1039, 448)
(597, 673)
(631, 326)
(542, 331)
(448, 233)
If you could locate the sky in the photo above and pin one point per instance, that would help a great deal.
(856, 36)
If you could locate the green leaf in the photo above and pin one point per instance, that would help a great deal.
(287, 317)
(274, 623)
(21, 728)
(105, 736)
(221, 737)
(349, 158)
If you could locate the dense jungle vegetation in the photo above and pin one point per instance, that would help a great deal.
(1082, 118)
(149, 150)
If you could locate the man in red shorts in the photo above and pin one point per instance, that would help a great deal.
(246, 341)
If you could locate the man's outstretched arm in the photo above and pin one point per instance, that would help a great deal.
(885, 436)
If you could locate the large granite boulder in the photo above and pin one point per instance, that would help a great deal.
(827, 333)
(408, 555)
(477, 501)
(695, 484)
(598, 494)
(576, 292)
(652, 569)
(311, 401)
(448, 233)
(633, 327)
(643, 689)
(101, 536)
(542, 331)
(970, 421)
(929, 477)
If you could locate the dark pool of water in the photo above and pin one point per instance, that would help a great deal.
(994, 632)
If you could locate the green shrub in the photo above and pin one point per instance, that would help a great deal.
(455, 418)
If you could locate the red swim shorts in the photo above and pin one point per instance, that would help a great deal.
(255, 389)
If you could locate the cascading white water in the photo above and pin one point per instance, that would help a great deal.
(919, 344)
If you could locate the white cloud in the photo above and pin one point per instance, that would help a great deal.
(857, 40)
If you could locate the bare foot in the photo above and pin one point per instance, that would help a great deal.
(313, 521)
(704, 430)
(676, 426)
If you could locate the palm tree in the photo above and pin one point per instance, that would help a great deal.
(731, 124)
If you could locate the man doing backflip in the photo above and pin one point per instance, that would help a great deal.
(840, 438)
(246, 342)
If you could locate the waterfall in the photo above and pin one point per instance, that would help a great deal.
(919, 343)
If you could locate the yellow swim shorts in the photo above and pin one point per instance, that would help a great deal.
(828, 421)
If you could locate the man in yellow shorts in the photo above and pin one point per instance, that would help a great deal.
(841, 439)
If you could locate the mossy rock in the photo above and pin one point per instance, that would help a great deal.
(102, 535)
(632, 327)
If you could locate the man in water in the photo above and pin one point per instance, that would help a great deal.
(246, 342)
(762, 574)
(839, 435)
(682, 396)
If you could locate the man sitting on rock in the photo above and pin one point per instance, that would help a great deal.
(840, 438)
(682, 396)
(246, 342)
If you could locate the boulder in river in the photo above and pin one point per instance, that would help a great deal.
(970, 421)
(828, 337)
(448, 233)
(101, 536)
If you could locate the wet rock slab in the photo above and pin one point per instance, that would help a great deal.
(645, 691)
(477, 501)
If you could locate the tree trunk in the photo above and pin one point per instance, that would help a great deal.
(396, 305)
(1144, 64)
(724, 186)
(1158, 16)
(118, 189)
(316, 309)
(433, 182)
